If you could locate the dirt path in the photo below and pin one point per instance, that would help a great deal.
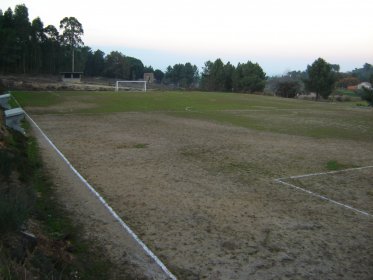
(99, 225)
(202, 195)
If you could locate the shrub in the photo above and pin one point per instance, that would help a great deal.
(15, 204)
(288, 89)
(367, 95)
(6, 160)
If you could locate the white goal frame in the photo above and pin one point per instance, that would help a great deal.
(129, 82)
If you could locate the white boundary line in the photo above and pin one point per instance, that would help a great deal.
(326, 173)
(107, 206)
(280, 180)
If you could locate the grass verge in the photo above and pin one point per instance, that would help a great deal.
(38, 240)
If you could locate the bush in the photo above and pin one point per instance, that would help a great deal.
(16, 198)
(6, 159)
(288, 89)
(367, 95)
(15, 205)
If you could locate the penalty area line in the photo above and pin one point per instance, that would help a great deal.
(324, 198)
(326, 173)
(107, 206)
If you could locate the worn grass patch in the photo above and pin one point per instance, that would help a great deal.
(140, 146)
(334, 165)
(264, 113)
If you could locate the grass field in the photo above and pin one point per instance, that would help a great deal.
(288, 116)
(194, 174)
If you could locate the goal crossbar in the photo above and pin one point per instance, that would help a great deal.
(117, 84)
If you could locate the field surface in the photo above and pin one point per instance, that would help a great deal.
(194, 175)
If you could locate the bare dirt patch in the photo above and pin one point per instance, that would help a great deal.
(202, 196)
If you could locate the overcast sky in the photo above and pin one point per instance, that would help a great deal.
(280, 35)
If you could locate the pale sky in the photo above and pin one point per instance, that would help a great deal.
(280, 35)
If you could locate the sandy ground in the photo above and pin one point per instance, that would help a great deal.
(98, 224)
(202, 195)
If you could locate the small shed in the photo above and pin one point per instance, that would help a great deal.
(71, 77)
(4, 101)
(149, 77)
(13, 119)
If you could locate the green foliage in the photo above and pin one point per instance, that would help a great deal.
(71, 36)
(321, 78)
(62, 253)
(346, 92)
(182, 75)
(334, 165)
(120, 66)
(364, 74)
(287, 88)
(263, 113)
(367, 95)
(15, 204)
(16, 199)
(95, 64)
(28, 47)
(249, 77)
(148, 69)
(6, 162)
(158, 75)
(140, 146)
(72, 32)
(246, 77)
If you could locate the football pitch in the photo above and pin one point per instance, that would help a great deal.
(226, 186)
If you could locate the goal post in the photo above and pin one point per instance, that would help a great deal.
(130, 86)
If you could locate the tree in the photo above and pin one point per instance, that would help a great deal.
(72, 35)
(148, 69)
(95, 64)
(22, 28)
(217, 76)
(364, 73)
(134, 68)
(189, 74)
(287, 88)
(158, 75)
(367, 95)
(229, 70)
(51, 48)
(38, 37)
(249, 77)
(181, 75)
(115, 65)
(8, 45)
(321, 78)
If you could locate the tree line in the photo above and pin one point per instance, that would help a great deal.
(245, 77)
(322, 78)
(31, 48)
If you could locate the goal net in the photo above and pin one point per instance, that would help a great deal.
(130, 86)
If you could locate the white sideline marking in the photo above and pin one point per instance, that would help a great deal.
(112, 212)
(325, 198)
(326, 173)
(280, 180)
